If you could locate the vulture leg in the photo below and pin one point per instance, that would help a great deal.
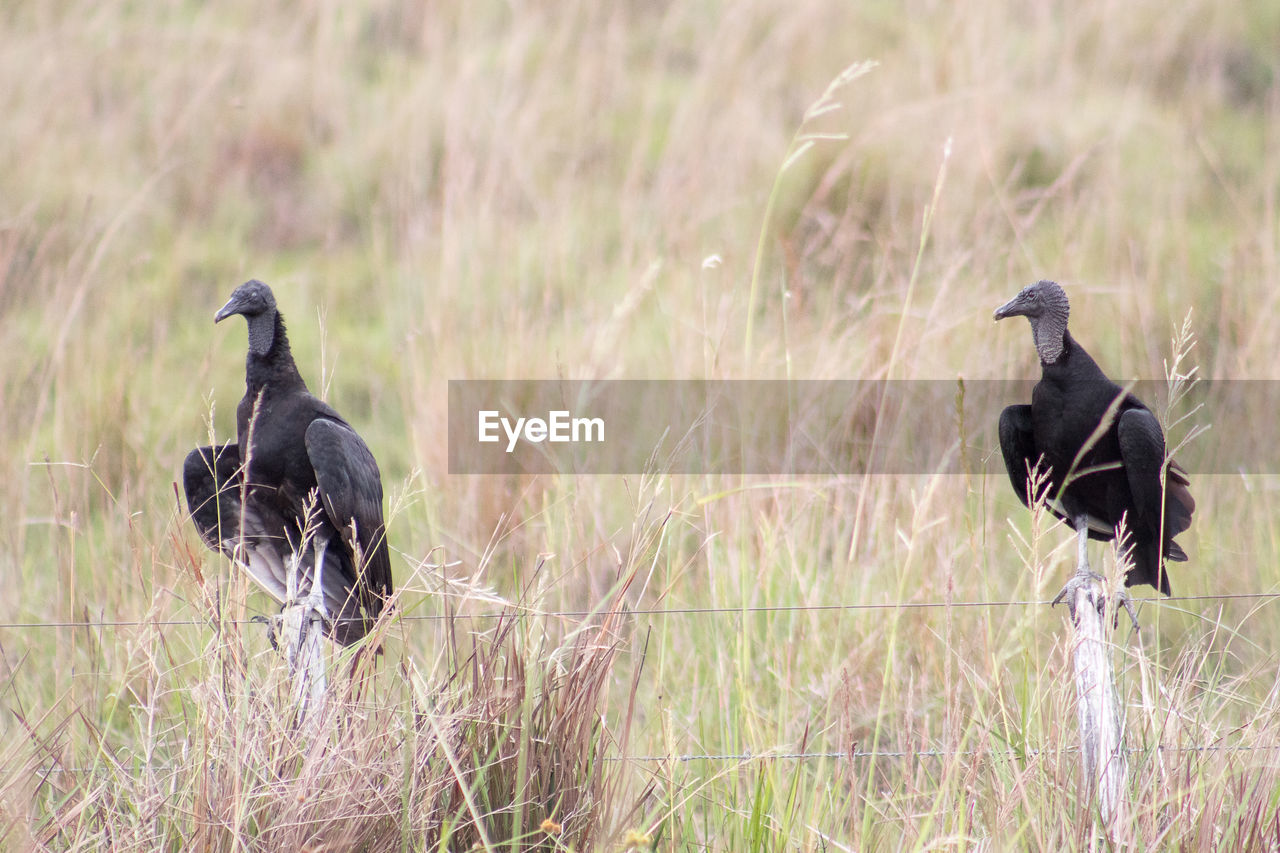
(314, 599)
(1084, 576)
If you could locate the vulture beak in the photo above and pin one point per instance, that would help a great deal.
(229, 310)
(1009, 309)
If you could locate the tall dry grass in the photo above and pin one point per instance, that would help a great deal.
(590, 190)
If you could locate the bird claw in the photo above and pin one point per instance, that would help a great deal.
(1073, 584)
(1122, 598)
(314, 603)
(273, 629)
(1083, 578)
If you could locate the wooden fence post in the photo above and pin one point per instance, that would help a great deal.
(1104, 763)
(303, 629)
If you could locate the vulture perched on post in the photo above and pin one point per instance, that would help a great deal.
(1093, 487)
(308, 472)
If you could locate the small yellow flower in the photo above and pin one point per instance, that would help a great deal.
(636, 840)
(550, 827)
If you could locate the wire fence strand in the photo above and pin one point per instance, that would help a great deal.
(775, 754)
(641, 611)
(782, 755)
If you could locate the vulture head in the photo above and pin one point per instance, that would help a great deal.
(250, 299)
(1045, 305)
(257, 303)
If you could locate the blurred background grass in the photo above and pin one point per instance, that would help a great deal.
(537, 190)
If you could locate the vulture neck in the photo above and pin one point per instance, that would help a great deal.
(1050, 333)
(270, 362)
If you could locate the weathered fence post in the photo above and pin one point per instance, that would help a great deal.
(303, 629)
(1103, 761)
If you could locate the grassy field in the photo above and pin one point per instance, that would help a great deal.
(621, 190)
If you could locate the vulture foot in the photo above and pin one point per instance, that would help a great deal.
(274, 624)
(1084, 577)
(311, 604)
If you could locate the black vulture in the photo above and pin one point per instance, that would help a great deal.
(1092, 487)
(307, 468)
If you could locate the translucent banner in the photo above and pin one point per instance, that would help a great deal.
(836, 427)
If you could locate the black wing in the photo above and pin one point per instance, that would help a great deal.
(351, 490)
(1018, 445)
(1142, 449)
(1179, 506)
(211, 479)
(1142, 452)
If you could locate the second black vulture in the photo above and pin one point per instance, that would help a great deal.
(308, 471)
(1093, 486)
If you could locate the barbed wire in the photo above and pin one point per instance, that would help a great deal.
(655, 611)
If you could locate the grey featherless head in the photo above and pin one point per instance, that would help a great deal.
(1045, 305)
(255, 301)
